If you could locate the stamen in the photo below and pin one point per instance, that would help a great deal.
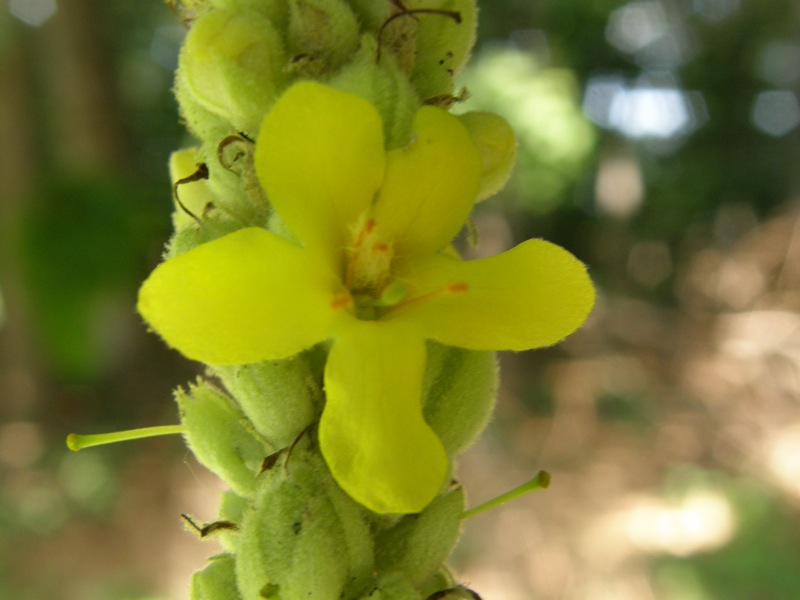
(451, 289)
(352, 263)
(540, 482)
(77, 442)
(342, 300)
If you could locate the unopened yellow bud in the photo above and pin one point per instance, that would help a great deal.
(498, 148)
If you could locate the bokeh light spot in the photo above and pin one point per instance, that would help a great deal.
(776, 112)
(619, 188)
(636, 25)
(33, 12)
(715, 10)
(779, 63)
(20, 444)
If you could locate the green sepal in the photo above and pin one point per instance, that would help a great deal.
(442, 45)
(211, 227)
(232, 63)
(371, 14)
(441, 580)
(498, 148)
(324, 31)
(233, 180)
(201, 122)
(275, 10)
(393, 586)
(280, 398)
(459, 393)
(297, 542)
(232, 508)
(216, 581)
(383, 85)
(418, 544)
(220, 437)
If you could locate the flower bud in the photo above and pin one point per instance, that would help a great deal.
(322, 30)
(217, 434)
(202, 123)
(280, 398)
(385, 86)
(443, 45)
(232, 64)
(498, 148)
(217, 581)
(232, 508)
(393, 586)
(459, 393)
(418, 544)
(371, 14)
(275, 10)
(296, 542)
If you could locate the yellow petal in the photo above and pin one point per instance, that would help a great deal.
(430, 186)
(531, 296)
(372, 433)
(246, 297)
(320, 158)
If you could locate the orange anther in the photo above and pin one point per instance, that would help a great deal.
(457, 287)
(342, 300)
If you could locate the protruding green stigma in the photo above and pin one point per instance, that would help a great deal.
(541, 481)
(77, 442)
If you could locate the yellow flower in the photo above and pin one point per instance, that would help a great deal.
(368, 269)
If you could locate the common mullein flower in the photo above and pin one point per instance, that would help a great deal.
(367, 268)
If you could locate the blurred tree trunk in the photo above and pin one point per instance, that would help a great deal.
(19, 370)
(58, 116)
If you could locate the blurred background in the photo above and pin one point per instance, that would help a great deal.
(659, 142)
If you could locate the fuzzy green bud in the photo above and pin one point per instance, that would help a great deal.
(498, 147)
(322, 34)
(232, 65)
(443, 44)
(220, 437)
(418, 544)
(296, 542)
(459, 393)
(371, 14)
(280, 398)
(217, 581)
(232, 509)
(385, 86)
(275, 10)
(393, 586)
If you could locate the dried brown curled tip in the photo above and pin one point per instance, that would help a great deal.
(199, 175)
(223, 157)
(209, 528)
(446, 101)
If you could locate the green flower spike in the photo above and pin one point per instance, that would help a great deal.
(368, 269)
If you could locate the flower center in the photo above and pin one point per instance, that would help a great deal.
(370, 289)
(367, 274)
